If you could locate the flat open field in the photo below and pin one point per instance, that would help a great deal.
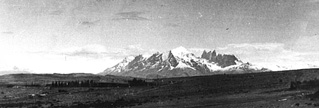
(255, 90)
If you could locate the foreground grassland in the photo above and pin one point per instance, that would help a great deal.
(265, 90)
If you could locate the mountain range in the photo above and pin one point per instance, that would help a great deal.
(180, 62)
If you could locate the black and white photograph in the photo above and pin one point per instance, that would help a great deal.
(159, 53)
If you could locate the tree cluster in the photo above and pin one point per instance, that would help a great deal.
(138, 82)
(85, 83)
(92, 83)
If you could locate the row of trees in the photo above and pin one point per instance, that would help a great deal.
(138, 82)
(85, 83)
(92, 83)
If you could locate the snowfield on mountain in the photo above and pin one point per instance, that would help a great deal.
(180, 62)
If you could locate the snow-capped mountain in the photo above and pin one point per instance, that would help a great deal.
(180, 62)
(121, 66)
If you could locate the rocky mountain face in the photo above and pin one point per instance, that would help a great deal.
(221, 60)
(180, 62)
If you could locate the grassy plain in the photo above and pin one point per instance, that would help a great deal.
(262, 90)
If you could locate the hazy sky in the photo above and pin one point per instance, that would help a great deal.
(91, 35)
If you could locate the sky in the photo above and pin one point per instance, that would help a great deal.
(65, 36)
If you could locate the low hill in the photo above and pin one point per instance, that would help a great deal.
(48, 78)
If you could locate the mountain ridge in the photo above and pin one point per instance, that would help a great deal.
(180, 62)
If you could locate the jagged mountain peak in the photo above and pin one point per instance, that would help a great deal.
(222, 60)
(178, 62)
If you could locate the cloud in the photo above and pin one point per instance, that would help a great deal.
(252, 48)
(89, 22)
(135, 47)
(313, 1)
(56, 12)
(171, 25)
(89, 51)
(97, 51)
(7, 32)
(307, 44)
(133, 15)
(271, 54)
(89, 59)
(130, 50)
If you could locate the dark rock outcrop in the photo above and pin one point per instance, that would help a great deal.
(172, 60)
(222, 60)
(205, 55)
(155, 58)
(137, 62)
